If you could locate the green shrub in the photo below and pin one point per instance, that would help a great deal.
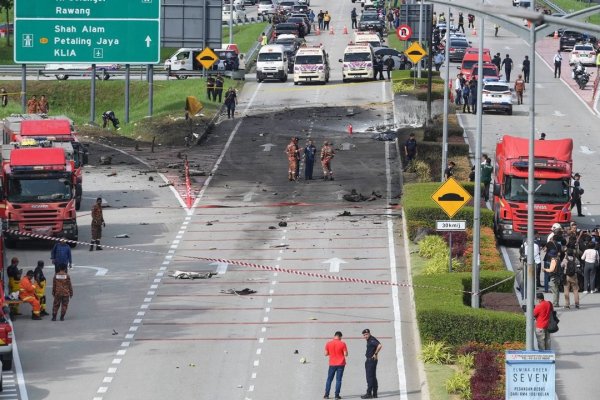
(438, 264)
(459, 384)
(444, 314)
(432, 245)
(434, 132)
(436, 353)
(465, 362)
(425, 74)
(422, 170)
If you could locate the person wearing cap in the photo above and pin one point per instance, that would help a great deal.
(576, 194)
(541, 313)
(61, 255)
(14, 277)
(62, 291)
(27, 294)
(293, 155)
(327, 154)
(97, 224)
(40, 282)
(373, 349)
(555, 275)
(590, 258)
(337, 351)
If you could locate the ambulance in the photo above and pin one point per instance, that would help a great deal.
(357, 63)
(311, 65)
(368, 37)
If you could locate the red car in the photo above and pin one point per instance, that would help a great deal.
(489, 71)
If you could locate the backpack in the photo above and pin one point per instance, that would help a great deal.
(571, 269)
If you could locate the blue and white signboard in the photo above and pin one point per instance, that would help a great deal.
(530, 375)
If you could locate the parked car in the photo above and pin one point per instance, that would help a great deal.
(496, 96)
(303, 27)
(286, 28)
(569, 38)
(489, 71)
(287, 5)
(385, 52)
(239, 13)
(370, 22)
(267, 7)
(304, 17)
(102, 70)
(458, 47)
(583, 53)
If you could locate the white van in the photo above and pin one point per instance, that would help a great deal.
(368, 37)
(184, 59)
(357, 62)
(267, 7)
(311, 64)
(272, 63)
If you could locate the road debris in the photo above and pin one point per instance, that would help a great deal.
(384, 136)
(354, 196)
(121, 236)
(112, 174)
(282, 224)
(243, 292)
(105, 160)
(345, 214)
(192, 275)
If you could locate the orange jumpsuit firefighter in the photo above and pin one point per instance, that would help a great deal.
(27, 294)
(327, 154)
(293, 154)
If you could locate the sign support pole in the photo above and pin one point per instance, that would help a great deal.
(420, 31)
(446, 95)
(93, 96)
(450, 257)
(23, 88)
(150, 89)
(127, 80)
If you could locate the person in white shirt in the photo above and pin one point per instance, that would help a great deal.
(590, 257)
(458, 89)
(557, 64)
(537, 259)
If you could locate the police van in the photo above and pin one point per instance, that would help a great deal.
(272, 63)
(357, 63)
(311, 65)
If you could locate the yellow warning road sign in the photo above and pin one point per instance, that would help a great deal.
(415, 52)
(451, 197)
(207, 58)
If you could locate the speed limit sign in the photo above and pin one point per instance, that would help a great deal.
(404, 32)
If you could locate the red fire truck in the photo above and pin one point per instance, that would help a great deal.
(59, 131)
(553, 165)
(38, 194)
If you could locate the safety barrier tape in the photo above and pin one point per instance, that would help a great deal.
(265, 267)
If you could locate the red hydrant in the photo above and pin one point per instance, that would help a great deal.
(350, 129)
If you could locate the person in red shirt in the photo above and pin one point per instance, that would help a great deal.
(541, 313)
(337, 352)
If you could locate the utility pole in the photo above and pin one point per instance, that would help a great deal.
(477, 192)
(447, 82)
(530, 330)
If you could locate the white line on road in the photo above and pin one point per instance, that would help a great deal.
(18, 367)
(393, 273)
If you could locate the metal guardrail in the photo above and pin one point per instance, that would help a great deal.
(554, 7)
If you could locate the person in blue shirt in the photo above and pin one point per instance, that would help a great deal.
(61, 255)
(309, 159)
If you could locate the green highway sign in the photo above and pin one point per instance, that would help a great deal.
(87, 31)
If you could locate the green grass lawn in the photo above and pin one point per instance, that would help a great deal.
(573, 5)
(72, 98)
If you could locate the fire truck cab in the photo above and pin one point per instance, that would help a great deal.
(552, 171)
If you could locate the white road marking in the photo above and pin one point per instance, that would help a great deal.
(261, 340)
(258, 351)
(586, 150)
(129, 336)
(111, 370)
(18, 368)
(267, 146)
(117, 361)
(256, 363)
(248, 196)
(253, 375)
(107, 379)
(121, 352)
(334, 264)
(125, 344)
(393, 274)
(221, 267)
(102, 389)
(557, 113)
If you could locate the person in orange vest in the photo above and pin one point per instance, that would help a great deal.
(27, 294)
(32, 105)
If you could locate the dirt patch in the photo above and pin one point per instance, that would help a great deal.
(501, 302)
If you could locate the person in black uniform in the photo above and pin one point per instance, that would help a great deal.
(219, 81)
(210, 88)
(373, 349)
(378, 68)
(449, 171)
(576, 194)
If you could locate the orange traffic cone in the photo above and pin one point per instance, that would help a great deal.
(555, 34)
(474, 33)
(345, 30)
(331, 31)
(318, 31)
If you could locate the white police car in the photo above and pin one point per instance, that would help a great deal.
(496, 96)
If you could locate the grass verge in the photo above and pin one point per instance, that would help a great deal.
(574, 5)
(439, 374)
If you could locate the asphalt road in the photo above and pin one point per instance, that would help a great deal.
(136, 333)
(560, 113)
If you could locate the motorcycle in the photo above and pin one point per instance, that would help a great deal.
(581, 76)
